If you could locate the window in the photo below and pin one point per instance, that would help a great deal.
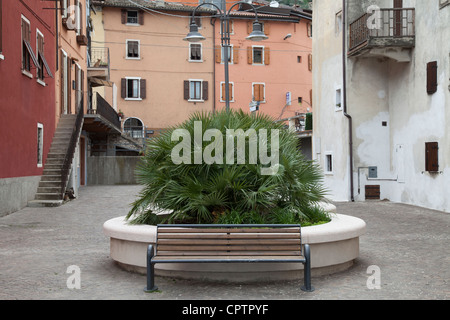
(43, 65)
(309, 29)
(64, 8)
(133, 88)
(328, 163)
(258, 55)
(431, 156)
(134, 127)
(432, 82)
(133, 49)
(132, 17)
(27, 51)
(338, 99)
(258, 92)
(230, 54)
(338, 23)
(223, 94)
(40, 144)
(299, 59)
(65, 83)
(195, 52)
(195, 90)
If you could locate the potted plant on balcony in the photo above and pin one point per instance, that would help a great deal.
(120, 114)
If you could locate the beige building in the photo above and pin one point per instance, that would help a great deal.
(159, 78)
(381, 115)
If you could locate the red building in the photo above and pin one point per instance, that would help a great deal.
(27, 97)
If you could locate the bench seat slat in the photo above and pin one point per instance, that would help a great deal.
(230, 258)
(230, 236)
(225, 247)
(190, 242)
(227, 230)
(252, 253)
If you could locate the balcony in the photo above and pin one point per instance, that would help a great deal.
(390, 34)
(102, 119)
(99, 67)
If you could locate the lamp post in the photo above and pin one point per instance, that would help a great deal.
(255, 35)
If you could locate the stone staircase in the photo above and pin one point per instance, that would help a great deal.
(49, 190)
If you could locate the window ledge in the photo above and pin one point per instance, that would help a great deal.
(194, 100)
(42, 83)
(131, 58)
(133, 99)
(2, 57)
(197, 61)
(28, 74)
(133, 24)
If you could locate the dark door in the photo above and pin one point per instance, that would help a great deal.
(398, 18)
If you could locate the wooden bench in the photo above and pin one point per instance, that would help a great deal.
(212, 243)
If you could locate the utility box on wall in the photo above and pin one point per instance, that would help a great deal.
(373, 172)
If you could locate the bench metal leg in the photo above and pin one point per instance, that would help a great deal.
(150, 271)
(307, 271)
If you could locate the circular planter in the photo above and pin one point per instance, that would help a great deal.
(334, 246)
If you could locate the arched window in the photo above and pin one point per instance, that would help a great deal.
(134, 127)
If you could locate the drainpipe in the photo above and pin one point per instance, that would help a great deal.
(212, 21)
(344, 72)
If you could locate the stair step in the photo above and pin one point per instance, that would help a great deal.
(56, 155)
(50, 184)
(53, 165)
(48, 190)
(47, 196)
(51, 178)
(45, 203)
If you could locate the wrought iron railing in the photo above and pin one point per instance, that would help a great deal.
(394, 23)
(106, 111)
(65, 170)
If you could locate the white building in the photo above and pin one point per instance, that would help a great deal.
(384, 131)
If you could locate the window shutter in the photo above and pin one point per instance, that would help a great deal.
(143, 84)
(249, 27)
(186, 90)
(258, 92)
(266, 28)
(1, 26)
(62, 85)
(235, 54)
(266, 55)
(141, 17)
(431, 156)
(123, 88)
(310, 62)
(311, 97)
(218, 53)
(249, 55)
(124, 16)
(432, 77)
(222, 96)
(69, 85)
(205, 90)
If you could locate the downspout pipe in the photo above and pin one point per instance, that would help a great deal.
(344, 88)
(212, 21)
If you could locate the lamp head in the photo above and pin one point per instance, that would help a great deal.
(257, 34)
(194, 35)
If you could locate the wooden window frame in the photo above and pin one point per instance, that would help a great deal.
(262, 55)
(432, 157)
(2, 57)
(128, 49)
(432, 77)
(258, 99)
(222, 91)
(203, 90)
(127, 97)
(190, 52)
(328, 163)
(40, 145)
(28, 55)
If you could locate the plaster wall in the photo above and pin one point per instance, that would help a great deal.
(393, 115)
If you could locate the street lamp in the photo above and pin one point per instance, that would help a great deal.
(255, 35)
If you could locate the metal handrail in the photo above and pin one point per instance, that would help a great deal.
(68, 159)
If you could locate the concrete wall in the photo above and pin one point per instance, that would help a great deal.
(393, 115)
(111, 170)
(16, 192)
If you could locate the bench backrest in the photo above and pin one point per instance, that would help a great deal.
(239, 240)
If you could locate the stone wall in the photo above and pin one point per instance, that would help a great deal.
(111, 170)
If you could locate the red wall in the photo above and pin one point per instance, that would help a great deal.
(23, 101)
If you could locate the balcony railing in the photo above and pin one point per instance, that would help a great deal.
(386, 28)
(99, 63)
(106, 111)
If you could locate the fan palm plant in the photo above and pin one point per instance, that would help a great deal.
(231, 191)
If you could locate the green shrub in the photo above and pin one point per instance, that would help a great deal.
(227, 193)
